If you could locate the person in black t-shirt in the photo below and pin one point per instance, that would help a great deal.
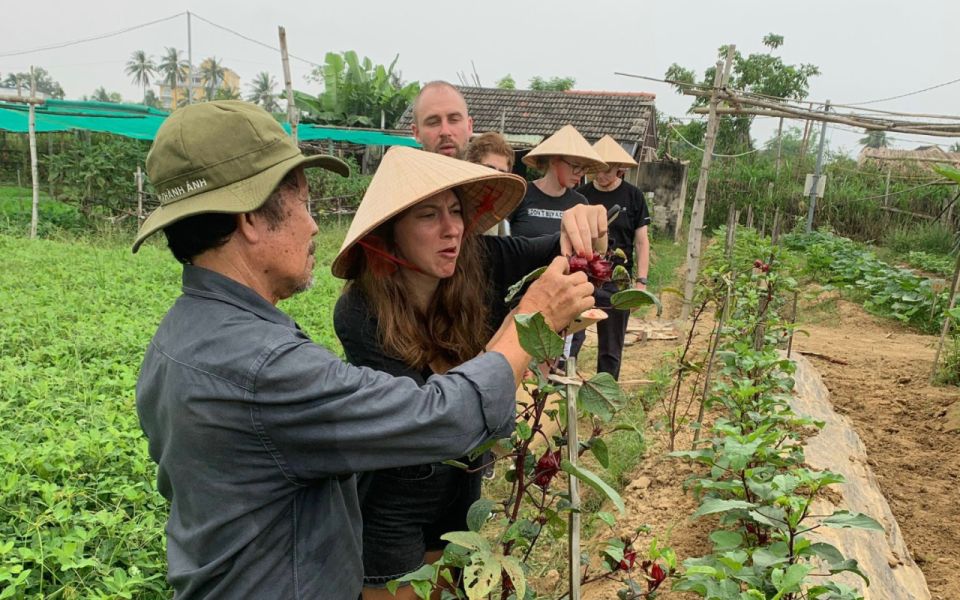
(628, 232)
(564, 157)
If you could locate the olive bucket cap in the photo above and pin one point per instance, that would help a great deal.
(220, 157)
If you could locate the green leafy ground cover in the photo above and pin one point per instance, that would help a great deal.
(81, 517)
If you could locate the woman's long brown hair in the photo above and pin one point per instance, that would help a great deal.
(454, 328)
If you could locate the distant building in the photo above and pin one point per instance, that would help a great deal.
(230, 81)
(527, 117)
(921, 159)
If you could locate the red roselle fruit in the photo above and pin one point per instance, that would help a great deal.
(629, 558)
(547, 467)
(655, 577)
(597, 268)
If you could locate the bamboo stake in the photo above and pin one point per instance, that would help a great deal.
(34, 171)
(573, 447)
(699, 203)
(946, 318)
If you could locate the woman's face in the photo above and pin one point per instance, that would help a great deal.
(429, 234)
(568, 170)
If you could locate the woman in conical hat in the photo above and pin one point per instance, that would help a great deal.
(425, 293)
(564, 158)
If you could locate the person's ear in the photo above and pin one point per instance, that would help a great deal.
(248, 226)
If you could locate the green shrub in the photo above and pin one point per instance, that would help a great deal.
(932, 238)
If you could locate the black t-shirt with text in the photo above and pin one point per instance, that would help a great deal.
(539, 214)
(633, 215)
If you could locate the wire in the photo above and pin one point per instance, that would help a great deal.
(916, 187)
(692, 145)
(927, 89)
(250, 39)
(89, 39)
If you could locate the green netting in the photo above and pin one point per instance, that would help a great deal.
(141, 122)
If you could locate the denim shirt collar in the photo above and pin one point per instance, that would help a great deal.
(204, 283)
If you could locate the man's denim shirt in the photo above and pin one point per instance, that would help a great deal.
(257, 432)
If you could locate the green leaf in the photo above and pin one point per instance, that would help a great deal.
(789, 581)
(851, 566)
(523, 430)
(478, 513)
(457, 464)
(514, 289)
(725, 540)
(715, 505)
(595, 482)
(827, 552)
(948, 172)
(536, 337)
(633, 298)
(468, 539)
(481, 575)
(843, 519)
(420, 580)
(514, 569)
(601, 396)
(607, 518)
(599, 449)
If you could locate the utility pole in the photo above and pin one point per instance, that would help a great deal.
(292, 117)
(34, 173)
(695, 236)
(816, 173)
(189, 63)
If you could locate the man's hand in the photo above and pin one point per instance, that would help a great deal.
(583, 229)
(557, 295)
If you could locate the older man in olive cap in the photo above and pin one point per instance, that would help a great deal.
(257, 430)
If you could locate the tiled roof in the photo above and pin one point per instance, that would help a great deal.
(625, 116)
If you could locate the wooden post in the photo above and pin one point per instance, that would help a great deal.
(807, 127)
(34, 172)
(49, 137)
(292, 117)
(749, 222)
(886, 190)
(779, 147)
(139, 195)
(573, 446)
(695, 235)
(946, 318)
(680, 204)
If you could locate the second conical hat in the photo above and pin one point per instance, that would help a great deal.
(613, 153)
(406, 176)
(567, 142)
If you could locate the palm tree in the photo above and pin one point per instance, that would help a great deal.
(101, 95)
(211, 73)
(875, 139)
(174, 70)
(262, 92)
(141, 68)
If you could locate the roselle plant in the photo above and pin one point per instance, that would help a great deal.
(490, 559)
(754, 479)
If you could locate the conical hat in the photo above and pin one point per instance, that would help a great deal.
(406, 176)
(568, 142)
(613, 153)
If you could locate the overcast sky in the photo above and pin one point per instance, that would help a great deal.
(866, 49)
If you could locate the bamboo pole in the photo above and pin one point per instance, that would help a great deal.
(573, 447)
(695, 234)
(139, 178)
(292, 117)
(34, 171)
(946, 318)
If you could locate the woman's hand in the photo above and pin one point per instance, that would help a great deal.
(583, 230)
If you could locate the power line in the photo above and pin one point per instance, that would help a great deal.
(89, 39)
(692, 145)
(254, 41)
(927, 89)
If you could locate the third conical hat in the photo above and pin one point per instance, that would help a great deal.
(613, 153)
(568, 142)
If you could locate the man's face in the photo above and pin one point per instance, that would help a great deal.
(443, 125)
(289, 247)
(608, 177)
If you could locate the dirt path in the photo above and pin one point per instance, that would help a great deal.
(911, 431)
